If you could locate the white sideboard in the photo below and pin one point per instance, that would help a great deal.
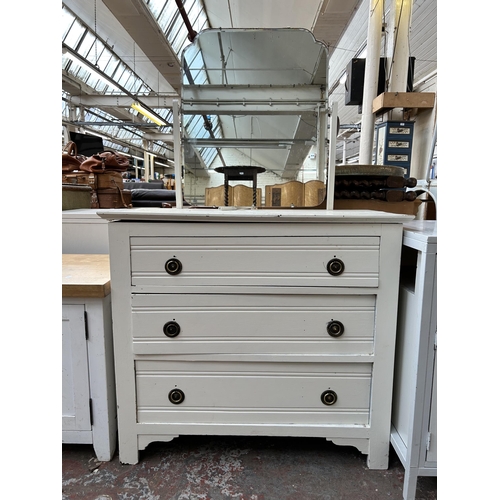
(88, 383)
(414, 415)
(84, 232)
(254, 322)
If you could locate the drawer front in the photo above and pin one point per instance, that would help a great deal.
(251, 392)
(255, 261)
(246, 323)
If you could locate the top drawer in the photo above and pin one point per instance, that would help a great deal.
(318, 261)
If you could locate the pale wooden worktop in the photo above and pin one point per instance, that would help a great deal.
(85, 275)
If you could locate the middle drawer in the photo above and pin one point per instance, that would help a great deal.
(252, 323)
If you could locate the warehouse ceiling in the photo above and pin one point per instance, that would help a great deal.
(132, 32)
(147, 37)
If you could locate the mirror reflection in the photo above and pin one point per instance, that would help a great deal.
(255, 99)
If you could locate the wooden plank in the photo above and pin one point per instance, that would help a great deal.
(85, 275)
(391, 100)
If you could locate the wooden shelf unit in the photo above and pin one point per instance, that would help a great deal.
(406, 100)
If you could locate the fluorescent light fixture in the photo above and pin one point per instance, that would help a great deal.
(77, 59)
(147, 113)
(163, 164)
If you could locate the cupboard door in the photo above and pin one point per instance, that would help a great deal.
(75, 372)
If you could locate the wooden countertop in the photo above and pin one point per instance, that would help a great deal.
(85, 275)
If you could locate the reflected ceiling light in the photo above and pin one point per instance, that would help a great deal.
(147, 113)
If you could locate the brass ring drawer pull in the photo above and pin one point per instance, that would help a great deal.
(335, 267)
(173, 266)
(329, 398)
(335, 328)
(176, 396)
(171, 329)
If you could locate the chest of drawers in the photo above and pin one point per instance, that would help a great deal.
(254, 322)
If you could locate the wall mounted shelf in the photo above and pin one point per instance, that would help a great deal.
(406, 100)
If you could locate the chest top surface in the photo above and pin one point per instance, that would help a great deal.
(235, 214)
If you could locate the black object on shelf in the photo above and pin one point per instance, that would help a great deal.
(240, 173)
(355, 79)
(86, 144)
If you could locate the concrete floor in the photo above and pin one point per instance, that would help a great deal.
(240, 468)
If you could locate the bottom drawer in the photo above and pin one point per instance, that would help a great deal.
(252, 392)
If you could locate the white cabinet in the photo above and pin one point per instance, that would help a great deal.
(84, 232)
(254, 322)
(88, 383)
(75, 374)
(414, 429)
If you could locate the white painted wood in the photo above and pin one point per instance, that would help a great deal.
(252, 393)
(240, 323)
(84, 232)
(255, 260)
(431, 456)
(92, 366)
(77, 437)
(75, 373)
(385, 328)
(414, 399)
(334, 109)
(252, 356)
(102, 379)
(179, 197)
(237, 214)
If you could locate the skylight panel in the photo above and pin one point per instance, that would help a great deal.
(156, 6)
(86, 45)
(74, 34)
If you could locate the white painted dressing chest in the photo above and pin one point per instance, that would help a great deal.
(254, 322)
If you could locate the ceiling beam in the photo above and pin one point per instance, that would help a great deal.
(123, 90)
(137, 20)
(120, 101)
(252, 100)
